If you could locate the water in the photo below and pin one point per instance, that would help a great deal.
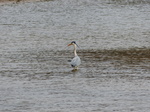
(114, 40)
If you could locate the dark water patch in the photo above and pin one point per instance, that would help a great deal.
(129, 2)
(129, 56)
(49, 64)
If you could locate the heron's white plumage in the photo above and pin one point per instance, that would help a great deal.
(75, 62)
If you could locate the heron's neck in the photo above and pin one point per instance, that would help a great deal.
(75, 52)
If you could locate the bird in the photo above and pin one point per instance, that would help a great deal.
(75, 62)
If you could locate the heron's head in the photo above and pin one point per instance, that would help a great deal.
(72, 43)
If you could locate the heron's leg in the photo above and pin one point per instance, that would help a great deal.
(76, 68)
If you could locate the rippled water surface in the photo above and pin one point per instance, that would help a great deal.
(114, 40)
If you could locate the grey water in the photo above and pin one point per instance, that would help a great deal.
(114, 40)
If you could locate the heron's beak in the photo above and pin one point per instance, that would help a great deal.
(69, 44)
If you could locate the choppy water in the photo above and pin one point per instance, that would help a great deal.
(114, 40)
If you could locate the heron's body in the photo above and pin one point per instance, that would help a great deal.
(75, 62)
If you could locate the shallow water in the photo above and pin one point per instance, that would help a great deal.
(114, 40)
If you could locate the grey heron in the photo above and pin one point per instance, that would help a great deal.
(75, 62)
